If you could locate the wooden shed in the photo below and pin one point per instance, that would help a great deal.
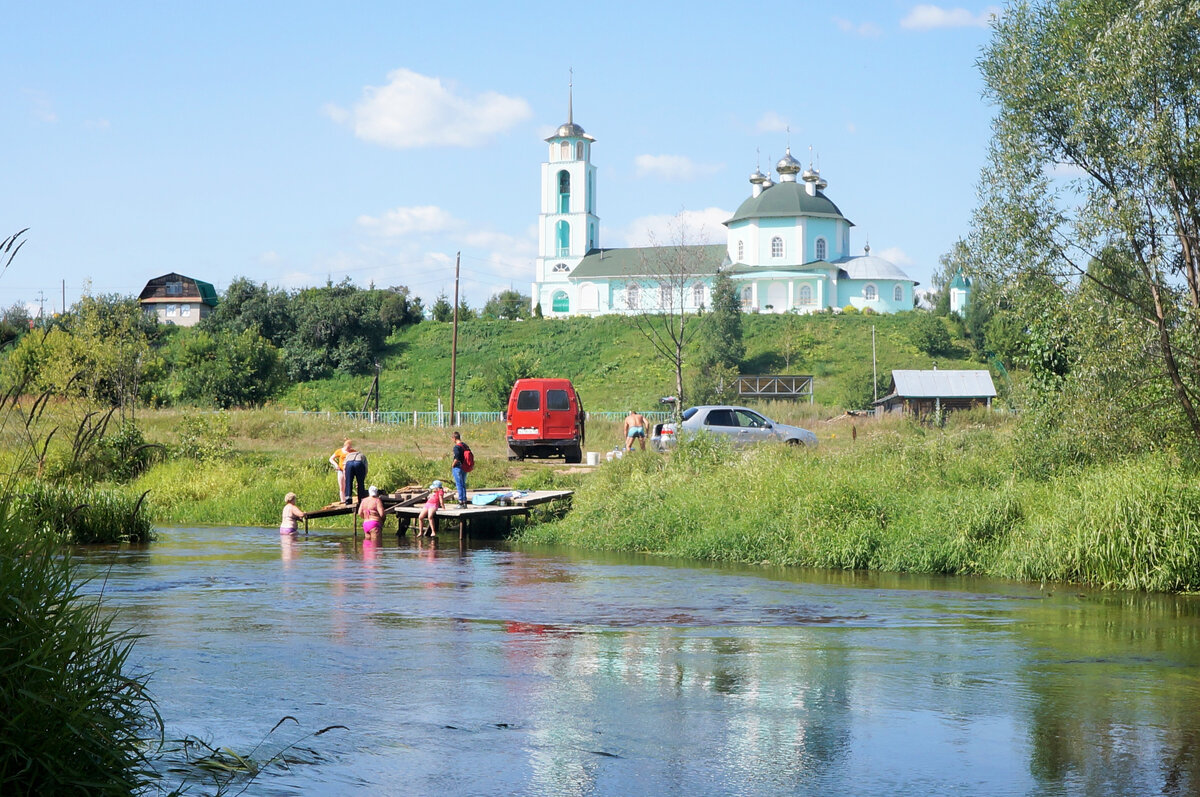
(176, 299)
(922, 393)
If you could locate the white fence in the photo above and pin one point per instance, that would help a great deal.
(443, 419)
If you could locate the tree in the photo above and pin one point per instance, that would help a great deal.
(250, 305)
(671, 273)
(720, 345)
(338, 329)
(509, 305)
(228, 370)
(442, 309)
(399, 308)
(928, 333)
(1106, 91)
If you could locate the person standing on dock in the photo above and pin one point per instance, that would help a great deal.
(356, 471)
(370, 509)
(338, 460)
(462, 452)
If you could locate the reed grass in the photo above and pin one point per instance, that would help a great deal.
(73, 720)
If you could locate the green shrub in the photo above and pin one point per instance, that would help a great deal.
(80, 514)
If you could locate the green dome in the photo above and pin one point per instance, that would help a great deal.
(786, 200)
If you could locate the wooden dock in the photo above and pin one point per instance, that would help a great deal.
(406, 504)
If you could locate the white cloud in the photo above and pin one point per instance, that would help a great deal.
(771, 122)
(1064, 171)
(415, 110)
(97, 124)
(415, 220)
(868, 30)
(673, 167)
(929, 17)
(896, 256)
(43, 108)
(689, 227)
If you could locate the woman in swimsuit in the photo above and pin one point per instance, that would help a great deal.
(291, 514)
(370, 509)
(432, 504)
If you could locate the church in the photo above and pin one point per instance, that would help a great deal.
(787, 249)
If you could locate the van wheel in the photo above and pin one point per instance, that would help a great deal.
(514, 455)
(573, 455)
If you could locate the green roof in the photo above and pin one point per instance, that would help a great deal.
(786, 200)
(649, 261)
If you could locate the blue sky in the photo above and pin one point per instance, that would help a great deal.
(295, 143)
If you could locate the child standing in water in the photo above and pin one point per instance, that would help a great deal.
(432, 504)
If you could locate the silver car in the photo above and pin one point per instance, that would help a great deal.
(741, 425)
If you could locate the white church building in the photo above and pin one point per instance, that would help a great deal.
(787, 249)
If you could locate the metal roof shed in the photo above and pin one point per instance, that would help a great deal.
(924, 392)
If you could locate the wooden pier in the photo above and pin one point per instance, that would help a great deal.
(406, 504)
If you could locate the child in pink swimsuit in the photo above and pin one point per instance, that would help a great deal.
(432, 504)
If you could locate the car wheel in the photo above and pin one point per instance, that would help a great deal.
(793, 442)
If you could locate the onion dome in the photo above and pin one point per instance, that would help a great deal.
(758, 178)
(788, 166)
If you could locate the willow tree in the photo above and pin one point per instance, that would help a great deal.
(1096, 154)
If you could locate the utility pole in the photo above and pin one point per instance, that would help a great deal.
(64, 297)
(41, 307)
(454, 343)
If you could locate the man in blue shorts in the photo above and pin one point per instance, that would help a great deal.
(635, 429)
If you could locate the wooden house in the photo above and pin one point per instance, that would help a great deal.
(176, 299)
(922, 393)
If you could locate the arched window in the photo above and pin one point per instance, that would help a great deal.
(560, 268)
(564, 191)
(578, 150)
(776, 247)
(741, 251)
(822, 249)
(591, 237)
(633, 299)
(898, 294)
(747, 297)
(698, 294)
(564, 151)
(805, 295)
(564, 238)
(869, 292)
(561, 304)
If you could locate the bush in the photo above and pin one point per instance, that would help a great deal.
(84, 515)
(73, 722)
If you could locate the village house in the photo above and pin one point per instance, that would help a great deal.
(176, 299)
(923, 393)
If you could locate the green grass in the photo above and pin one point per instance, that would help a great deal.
(902, 498)
(612, 364)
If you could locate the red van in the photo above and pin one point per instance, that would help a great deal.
(545, 419)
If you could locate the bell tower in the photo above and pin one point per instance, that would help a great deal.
(568, 227)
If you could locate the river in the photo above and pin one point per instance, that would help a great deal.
(491, 670)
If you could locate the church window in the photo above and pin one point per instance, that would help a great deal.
(776, 247)
(564, 191)
(898, 294)
(741, 251)
(579, 150)
(822, 252)
(564, 239)
(698, 294)
(747, 297)
(664, 296)
(564, 151)
(591, 196)
(561, 304)
(805, 295)
(869, 292)
(633, 298)
(560, 268)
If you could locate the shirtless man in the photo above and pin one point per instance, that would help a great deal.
(635, 428)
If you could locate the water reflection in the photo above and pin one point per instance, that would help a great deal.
(467, 670)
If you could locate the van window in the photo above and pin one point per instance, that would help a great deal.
(529, 400)
(557, 400)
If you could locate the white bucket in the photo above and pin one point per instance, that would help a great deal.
(593, 457)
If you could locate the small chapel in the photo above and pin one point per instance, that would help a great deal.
(787, 249)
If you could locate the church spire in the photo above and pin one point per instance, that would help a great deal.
(571, 96)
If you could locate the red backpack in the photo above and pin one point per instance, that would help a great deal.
(468, 459)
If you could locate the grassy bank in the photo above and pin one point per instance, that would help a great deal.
(901, 498)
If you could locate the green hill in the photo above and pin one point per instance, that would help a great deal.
(614, 367)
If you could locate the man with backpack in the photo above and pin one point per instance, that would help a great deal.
(464, 463)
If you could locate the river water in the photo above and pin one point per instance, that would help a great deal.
(490, 670)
